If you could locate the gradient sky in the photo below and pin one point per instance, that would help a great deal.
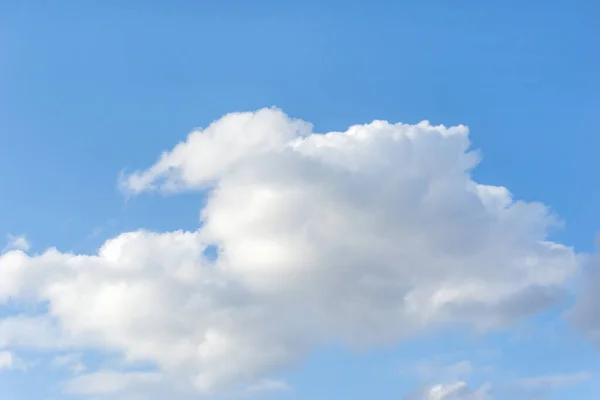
(94, 90)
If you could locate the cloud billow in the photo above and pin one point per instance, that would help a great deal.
(366, 236)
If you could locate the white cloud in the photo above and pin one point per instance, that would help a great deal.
(17, 242)
(208, 154)
(10, 362)
(365, 236)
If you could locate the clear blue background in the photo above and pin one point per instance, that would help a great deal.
(88, 88)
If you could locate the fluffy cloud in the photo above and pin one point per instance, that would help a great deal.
(365, 236)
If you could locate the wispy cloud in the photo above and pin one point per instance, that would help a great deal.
(267, 385)
(10, 362)
(554, 381)
(17, 242)
(71, 361)
(110, 382)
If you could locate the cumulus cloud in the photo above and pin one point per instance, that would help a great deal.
(365, 236)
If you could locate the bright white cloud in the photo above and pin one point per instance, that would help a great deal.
(208, 154)
(365, 236)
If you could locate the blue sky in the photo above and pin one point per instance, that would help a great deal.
(91, 90)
